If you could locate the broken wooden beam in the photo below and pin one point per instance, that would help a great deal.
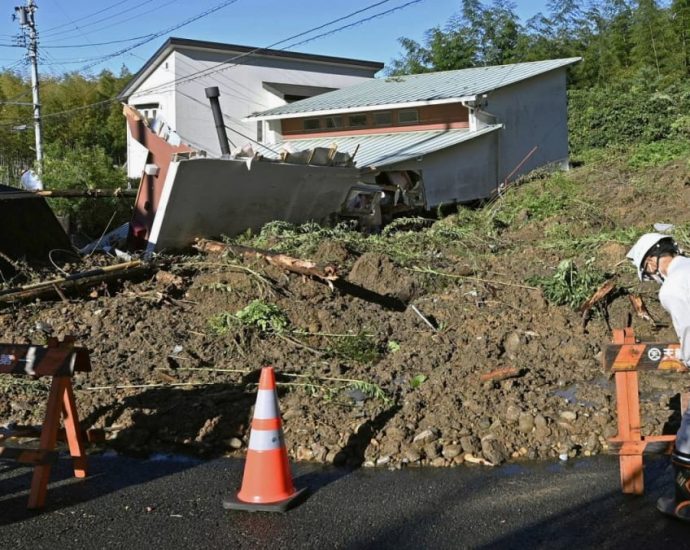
(83, 278)
(602, 292)
(324, 272)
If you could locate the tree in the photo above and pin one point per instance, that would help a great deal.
(651, 42)
(680, 17)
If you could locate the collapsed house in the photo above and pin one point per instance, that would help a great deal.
(184, 195)
(369, 151)
(436, 138)
(170, 86)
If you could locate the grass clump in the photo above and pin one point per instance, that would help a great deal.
(360, 347)
(258, 314)
(264, 316)
(658, 153)
(570, 285)
(537, 200)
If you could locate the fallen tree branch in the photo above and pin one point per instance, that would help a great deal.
(500, 374)
(430, 271)
(640, 309)
(83, 278)
(73, 193)
(599, 297)
(327, 273)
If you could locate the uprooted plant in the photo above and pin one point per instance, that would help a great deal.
(570, 285)
(270, 319)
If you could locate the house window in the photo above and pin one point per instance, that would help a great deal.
(384, 118)
(357, 121)
(259, 131)
(408, 116)
(312, 123)
(334, 122)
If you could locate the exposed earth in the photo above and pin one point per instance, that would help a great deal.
(370, 381)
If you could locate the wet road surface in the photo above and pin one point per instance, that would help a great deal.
(173, 502)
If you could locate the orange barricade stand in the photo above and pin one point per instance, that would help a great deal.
(59, 360)
(625, 357)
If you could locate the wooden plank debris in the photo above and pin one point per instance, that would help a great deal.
(83, 278)
(600, 295)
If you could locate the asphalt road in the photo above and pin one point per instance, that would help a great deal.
(176, 503)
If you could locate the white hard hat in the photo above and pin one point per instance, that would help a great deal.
(642, 248)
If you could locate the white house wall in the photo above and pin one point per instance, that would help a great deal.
(462, 173)
(164, 97)
(533, 113)
(242, 91)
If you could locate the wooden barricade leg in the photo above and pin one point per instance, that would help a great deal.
(630, 433)
(39, 482)
(73, 431)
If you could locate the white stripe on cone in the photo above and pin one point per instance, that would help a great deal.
(266, 405)
(265, 440)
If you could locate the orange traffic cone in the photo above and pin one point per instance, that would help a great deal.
(267, 482)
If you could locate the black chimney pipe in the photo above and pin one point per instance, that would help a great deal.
(213, 94)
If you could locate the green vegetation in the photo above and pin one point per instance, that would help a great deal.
(360, 347)
(569, 285)
(631, 86)
(264, 316)
(258, 314)
(417, 381)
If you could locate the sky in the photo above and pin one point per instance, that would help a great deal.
(89, 36)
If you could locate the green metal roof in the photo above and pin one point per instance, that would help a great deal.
(379, 150)
(417, 88)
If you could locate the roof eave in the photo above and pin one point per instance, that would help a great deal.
(174, 43)
(362, 109)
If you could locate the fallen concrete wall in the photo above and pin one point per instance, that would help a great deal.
(214, 197)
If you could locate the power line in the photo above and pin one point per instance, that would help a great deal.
(207, 72)
(221, 66)
(201, 15)
(87, 16)
(136, 16)
(49, 47)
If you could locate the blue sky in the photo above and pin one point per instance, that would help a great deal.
(66, 23)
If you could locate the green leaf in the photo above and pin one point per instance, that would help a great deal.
(417, 381)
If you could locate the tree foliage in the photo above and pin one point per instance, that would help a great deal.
(71, 121)
(631, 85)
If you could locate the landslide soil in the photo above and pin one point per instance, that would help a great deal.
(365, 380)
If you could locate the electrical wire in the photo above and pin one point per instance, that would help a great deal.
(49, 47)
(222, 66)
(89, 16)
(218, 68)
(184, 23)
(46, 34)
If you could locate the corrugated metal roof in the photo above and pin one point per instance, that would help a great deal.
(419, 88)
(379, 150)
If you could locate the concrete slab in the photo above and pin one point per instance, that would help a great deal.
(213, 197)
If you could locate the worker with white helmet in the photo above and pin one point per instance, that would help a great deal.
(658, 258)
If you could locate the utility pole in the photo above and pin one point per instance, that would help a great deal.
(27, 22)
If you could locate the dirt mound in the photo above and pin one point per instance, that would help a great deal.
(378, 273)
(364, 380)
